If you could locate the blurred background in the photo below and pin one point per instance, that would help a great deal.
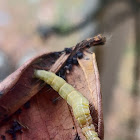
(30, 26)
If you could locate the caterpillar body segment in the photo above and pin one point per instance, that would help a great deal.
(65, 90)
(79, 104)
(90, 133)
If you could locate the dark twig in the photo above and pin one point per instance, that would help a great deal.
(45, 31)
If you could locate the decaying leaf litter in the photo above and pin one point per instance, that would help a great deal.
(21, 86)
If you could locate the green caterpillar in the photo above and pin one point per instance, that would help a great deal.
(79, 104)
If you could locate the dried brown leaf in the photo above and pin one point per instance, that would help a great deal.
(47, 119)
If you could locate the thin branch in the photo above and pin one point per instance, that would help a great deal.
(45, 31)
